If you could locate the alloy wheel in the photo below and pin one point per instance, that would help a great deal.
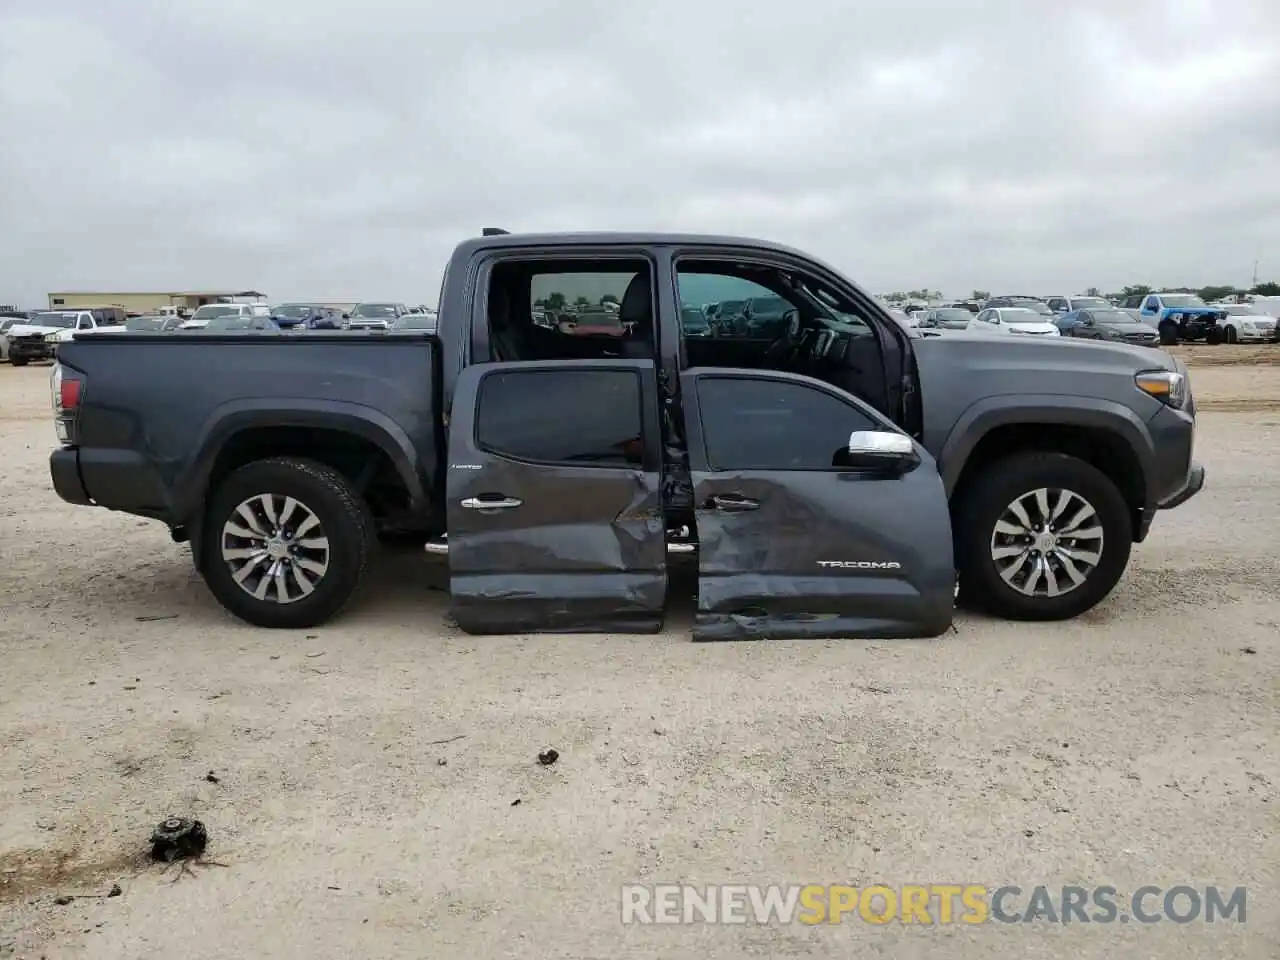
(1047, 542)
(275, 547)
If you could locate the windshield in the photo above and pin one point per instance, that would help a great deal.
(416, 321)
(226, 322)
(599, 320)
(63, 320)
(1035, 306)
(374, 310)
(1019, 315)
(144, 323)
(731, 306)
(1180, 300)
(210, 310)
(1112, 316)
(693, 319)
(293, 311)
(769, 306)
(1090, 303)
(952, 315)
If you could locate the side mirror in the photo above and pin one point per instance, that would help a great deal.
(880, 451)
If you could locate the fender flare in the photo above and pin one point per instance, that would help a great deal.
(237, 416)
(983, 416)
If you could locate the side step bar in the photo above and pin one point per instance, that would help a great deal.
(440, 546)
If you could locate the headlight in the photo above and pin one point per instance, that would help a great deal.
(50, 338)
(1166, 386)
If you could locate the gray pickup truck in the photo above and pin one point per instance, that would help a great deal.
(841, 478)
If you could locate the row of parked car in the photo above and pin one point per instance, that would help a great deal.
(36, 336)
(1149, 319)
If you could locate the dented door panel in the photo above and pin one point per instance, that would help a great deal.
(814, 553)
(555, 547)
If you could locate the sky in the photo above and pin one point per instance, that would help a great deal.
(338, 150)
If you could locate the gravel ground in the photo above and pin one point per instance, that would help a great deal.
(367, 772)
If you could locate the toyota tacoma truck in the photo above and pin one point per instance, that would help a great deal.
(841, 478)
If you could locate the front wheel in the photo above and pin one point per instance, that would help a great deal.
(1231, 336)
(1213, 336)
(1168, 334)
(19, 361)
(1040, 536)
(286, 542)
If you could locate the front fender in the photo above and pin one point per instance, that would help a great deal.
(236, 416)
(983, 416)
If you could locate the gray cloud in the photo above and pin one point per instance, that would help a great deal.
(341, 149)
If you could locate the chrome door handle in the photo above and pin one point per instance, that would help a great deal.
(734, 503)
(506, 503)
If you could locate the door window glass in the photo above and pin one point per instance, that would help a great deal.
(585, 418)
(760, 424)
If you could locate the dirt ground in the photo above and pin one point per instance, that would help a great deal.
(368, 772)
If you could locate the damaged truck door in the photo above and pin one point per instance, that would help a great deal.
(815, 515)
(553, 493)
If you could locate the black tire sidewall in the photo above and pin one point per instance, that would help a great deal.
(984, 501)
(343, 518)
(1168, 333)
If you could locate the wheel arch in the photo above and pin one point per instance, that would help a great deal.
(1108, 436)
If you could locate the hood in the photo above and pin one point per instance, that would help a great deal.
(1127, 329)
(1031, 355)
(1041, 327)
(31, 329)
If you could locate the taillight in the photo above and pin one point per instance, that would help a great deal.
(66, 393)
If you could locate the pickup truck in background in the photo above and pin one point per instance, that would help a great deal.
(1180, 317)
(838, 478)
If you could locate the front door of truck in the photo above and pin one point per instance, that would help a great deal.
(554, 498)
(815, 515)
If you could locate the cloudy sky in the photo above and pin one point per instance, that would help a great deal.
(338, 149)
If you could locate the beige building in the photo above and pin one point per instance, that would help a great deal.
(137, 302)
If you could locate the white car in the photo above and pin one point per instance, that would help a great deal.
(1012, 320)
(1247, 323)
(200, 319)
(84, 322)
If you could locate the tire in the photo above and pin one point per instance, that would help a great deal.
(1230, 336)
(1213, 336)
(19, 361)
(334, 572)
(985, 501)
(1168, 334)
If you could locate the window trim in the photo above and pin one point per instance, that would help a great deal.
(696, 429)
(649, 457)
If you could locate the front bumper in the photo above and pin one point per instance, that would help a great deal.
(30, 350)
(1195, 482)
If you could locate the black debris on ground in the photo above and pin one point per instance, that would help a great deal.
(178, 838)
(548, 757)
(212, 777)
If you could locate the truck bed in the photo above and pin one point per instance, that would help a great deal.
(158, 409)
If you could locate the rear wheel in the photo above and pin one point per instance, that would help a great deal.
(1040, 536)
(1213, 336)
(286, 542)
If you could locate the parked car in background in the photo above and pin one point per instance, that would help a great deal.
(426, 322)
(29, 340)
(153, 323)
(287, 315)
(909, 321)
(1107, 323)
(375, 316)
(102, 321)
(1183, 316)
(947, 318)
(228, 322)
(5, 324)
(1026, 303)
(1245, 323)
(694, 322)
(1013, 320)
(204, 315)
(766, 317)
(1062, 305)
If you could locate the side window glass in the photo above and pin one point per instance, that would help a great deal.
(1152, 304)
(758, 424)
(730, 306)
(583, 418)
(571, 309)
(85, 324)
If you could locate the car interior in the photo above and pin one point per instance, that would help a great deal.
(820, 336)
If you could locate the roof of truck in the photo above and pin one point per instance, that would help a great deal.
(627, 238)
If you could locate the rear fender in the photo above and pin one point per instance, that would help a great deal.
(236, 416)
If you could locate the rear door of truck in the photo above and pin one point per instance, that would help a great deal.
(554, 498)
(815, 514)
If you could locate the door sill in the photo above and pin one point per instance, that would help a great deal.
(440, 546)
